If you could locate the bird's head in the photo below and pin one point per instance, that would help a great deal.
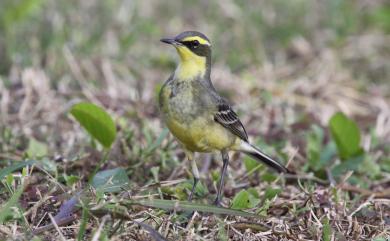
(194, 49)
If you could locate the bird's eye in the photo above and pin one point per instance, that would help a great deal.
(195, 43)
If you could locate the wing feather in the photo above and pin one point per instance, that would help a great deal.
(229, 119)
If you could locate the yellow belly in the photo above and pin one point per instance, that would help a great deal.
(202, 135)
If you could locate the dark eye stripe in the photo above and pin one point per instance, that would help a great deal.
(197, 48)
(191, 44)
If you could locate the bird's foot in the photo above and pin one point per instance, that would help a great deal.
(217, 202)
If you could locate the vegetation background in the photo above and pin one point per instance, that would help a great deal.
(288, 66)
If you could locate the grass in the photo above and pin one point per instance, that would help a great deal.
(287, 66)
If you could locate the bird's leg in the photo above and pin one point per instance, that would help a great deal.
(225, 158)
(195, 173)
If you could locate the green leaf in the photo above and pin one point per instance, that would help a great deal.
(326, 230)
(327, 154)
(182, 190)
(158, 142)
(36, 149)
(346, 134)
(250, 164)
(268, 177)
(189, 207)
(71, 179)
(385, 164)
(244, 200)
(48, 165)
(271, 193)
(113, 180)
(351, 164)
(6, 210)
(96, 121)
(252, 191)
(314, 146)
(380, 239)
(370, 167)
(9, 179)
(262, 211)
(83, 225)
(222, 233)
(19, 10)
(14, 167)
(381, 17)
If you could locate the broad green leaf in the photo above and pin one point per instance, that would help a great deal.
(182, 190)
(36, 149)
(113, 180)
(96, 121)
(244, 200)
(351, 164)
(327, 153)
(252, 191)
(346, 134)
(14, 167)
(189, 207)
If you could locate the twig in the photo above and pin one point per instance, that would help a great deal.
(99, 165)
(48, 227)
(254, 226)
(100, 228)
(366, 203)
(307, 177)
(365, 192)
(56, 227)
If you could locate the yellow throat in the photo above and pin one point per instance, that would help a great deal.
(190, 65)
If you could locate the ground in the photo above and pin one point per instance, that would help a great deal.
(287, 67)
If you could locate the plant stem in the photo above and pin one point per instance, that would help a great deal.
(100, 164)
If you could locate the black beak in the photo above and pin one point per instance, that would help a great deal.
(170, 41)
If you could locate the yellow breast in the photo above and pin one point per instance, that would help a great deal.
(201, 135)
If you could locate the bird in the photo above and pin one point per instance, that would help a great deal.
(197, 116)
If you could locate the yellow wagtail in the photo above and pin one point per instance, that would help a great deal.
(200, 119)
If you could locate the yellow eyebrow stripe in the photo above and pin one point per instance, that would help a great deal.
(200, 40)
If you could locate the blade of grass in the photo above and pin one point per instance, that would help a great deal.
(157, 143)
(190, 207)
(6, 209)
(326, 231)
(99, 165)
(155, 235)
(5, 171)
(83, 225)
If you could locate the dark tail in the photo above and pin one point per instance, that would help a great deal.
(255, 153)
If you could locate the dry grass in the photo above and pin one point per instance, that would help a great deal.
(279, 91)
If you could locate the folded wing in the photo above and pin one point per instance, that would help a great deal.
(229, 119)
